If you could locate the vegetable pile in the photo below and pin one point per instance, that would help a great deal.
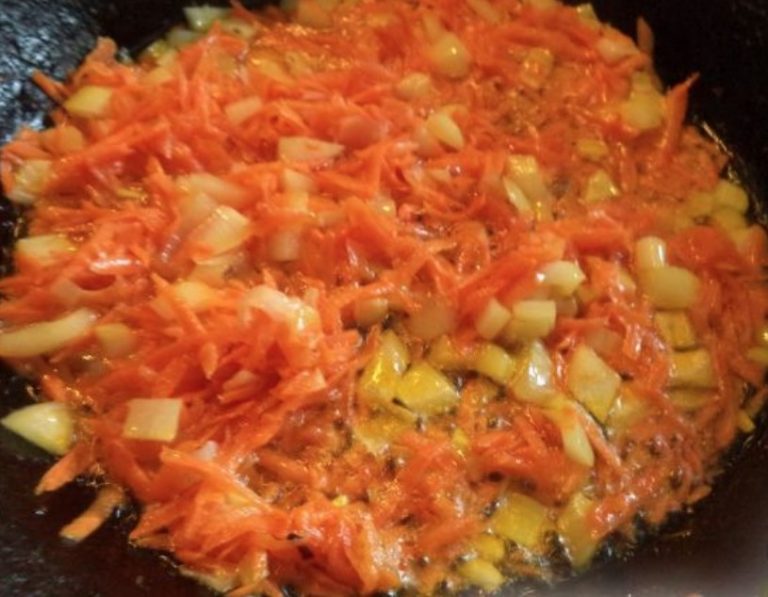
(359, 296)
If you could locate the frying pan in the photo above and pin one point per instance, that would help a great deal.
(720, 548)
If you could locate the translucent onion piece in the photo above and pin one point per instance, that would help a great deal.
(592, 382)
(481, 573)
(523, 520)
(533, 382)
(492, 320)
(241, 110)
(90, 101)
(307, 149)
(153, 419)
(280, 307)
(48, 425)
(564, 277)
(29, 181)
(224, 230)
(434, 319)
(670, 287)
(414, 86)
(449, 56)
(40, 338)
(200, 18)
(496, 363)
(218, 189)
(424, 390)
(43, 250)
(650, 253)
(444, 129)
(116, 339)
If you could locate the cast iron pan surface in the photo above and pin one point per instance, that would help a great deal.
(721, 548)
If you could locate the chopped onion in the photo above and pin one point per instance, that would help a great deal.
(692, 369)
(241, 110)
(523, 520)
(296, 182)
(426, 391)
(153, 419)
(575, 530)
(224, 230)
(444, 355)
(381, 376)
(492, 320)
(414, 86)
(371, 311)
(676, 329)
(116, 339)
(592, 382)
(280, 307)
(29, 181)
(449, 56)
(284, 246)
(481, 573)
(592, 149)
(489, 546)
(728, 219)
(614, 48)
(43, 250)
(531, 319)
(158, 76)
(48, 425)
(444, 129)
(670, 287)
(525, 173)
(533, 382)
(496, 363)
(36, 339)
(178, 37)
(200, 18)
(650, 253)
(307, 149)
(563, 277)
(730, 195)
(644, 110)
(516, 196)
(699, 204)
(193, 210)
(90, 101)
(575, 441)
(215, 187)
(600, 187)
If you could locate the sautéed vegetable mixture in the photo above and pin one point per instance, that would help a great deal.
(359, 296)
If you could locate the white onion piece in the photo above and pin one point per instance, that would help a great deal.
(444, 128)
(48, 425)
(533, 383)
(280, 307)
(116, 339)
(449, 56)
(492, 320)
(294, 181)
(90, 101)
(650, 253)
(414, 86)
(36, 339)
(241, 110)
(284, 246)
(307, 149)
(153, 419)
(614, 48)
(200, 18)
(29, 181)
(525, 172)
(670, 287)
(218, 189)
(226, 229)
(43, 250)
(563, 277)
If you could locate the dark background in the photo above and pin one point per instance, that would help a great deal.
(721, 549)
